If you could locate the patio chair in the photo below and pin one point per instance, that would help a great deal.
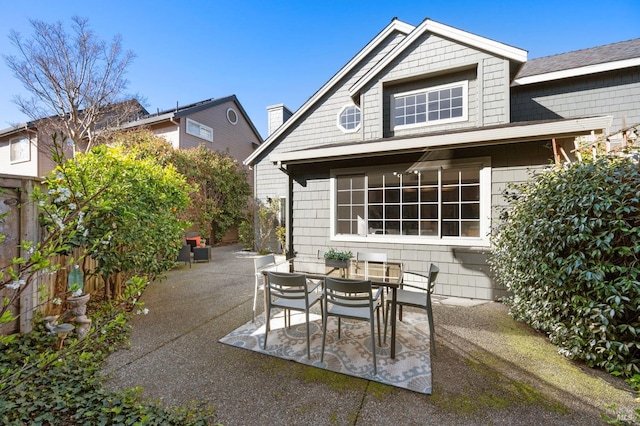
(415, 291)
(354, 299)
(184, 255)
(290, 292)
(260, 264)
(372, 266)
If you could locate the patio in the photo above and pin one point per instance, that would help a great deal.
(488, 369)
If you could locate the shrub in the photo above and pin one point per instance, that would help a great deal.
(568, 249)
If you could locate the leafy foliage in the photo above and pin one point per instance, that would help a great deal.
(568, 248)
(131, 224)
(337, 254)
(39, 385)
(220, 190)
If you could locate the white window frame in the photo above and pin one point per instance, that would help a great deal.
(339, 121)
(465, 106)
(484, 164)
(202, 129)
(20, 149)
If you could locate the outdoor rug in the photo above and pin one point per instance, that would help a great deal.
(351, 354)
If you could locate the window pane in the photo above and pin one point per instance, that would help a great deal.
(376, 227)
(450, 211)
(429, 177)
(429, 194)
(429, 211)
(344, 212)
(410, 211)
(344, 197)
(357, 197)
(375, 181)
(450, 193)
(433, 116)
(375, 196)
(357, 182)
(392, 212)
(470, 211)
(410, 195)
(456, 112)
(456, 91)
(357, 212)
(392, 195)
(344, 227)
(471, 229)
(450, 229)
(393, 228)
(410, 228)
(471, 193)
(410, 179)
(445, 113)
(375, 212)
(428, 227)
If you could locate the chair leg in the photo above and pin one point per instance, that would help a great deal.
(267, 322)
(324, 336)
(378, 318)
(308, 337)
(386, 318)
(255, 298)
(432, 333)
(339, 327)
(373, 348)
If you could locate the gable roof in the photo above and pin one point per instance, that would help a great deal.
(581, 62)
(430, 26)
(182, 111)
(395, 26)
(411, 34)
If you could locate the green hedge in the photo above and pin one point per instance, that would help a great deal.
(568, 249)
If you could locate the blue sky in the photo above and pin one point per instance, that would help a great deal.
(271, 52)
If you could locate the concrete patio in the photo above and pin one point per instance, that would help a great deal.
(488, 369)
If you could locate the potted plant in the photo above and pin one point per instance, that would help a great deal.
(337, 259)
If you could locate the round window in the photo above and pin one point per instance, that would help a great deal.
(232, 116)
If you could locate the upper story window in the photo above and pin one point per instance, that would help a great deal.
(349, 119)
(20, 150)
(200, 130)
(435, 105)
(435, 202)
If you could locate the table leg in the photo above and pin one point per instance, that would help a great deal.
(394, 299)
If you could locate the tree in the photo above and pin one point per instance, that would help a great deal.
(76, 81)
(132, 224)
(221, 192)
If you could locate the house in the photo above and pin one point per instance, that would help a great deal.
(220, 124)
(408, 147)
(25, 149)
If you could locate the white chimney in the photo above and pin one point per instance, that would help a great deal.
(278, 114)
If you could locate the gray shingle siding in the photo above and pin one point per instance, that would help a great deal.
(614, 93)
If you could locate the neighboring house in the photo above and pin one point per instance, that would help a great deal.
(407, 148)
(25, 149)
(220, 124)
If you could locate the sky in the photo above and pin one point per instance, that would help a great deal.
(282, 52)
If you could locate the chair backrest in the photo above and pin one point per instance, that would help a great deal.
(420, 281)
(377, 270)
(349, 293)
(287, 285)
(262, 262)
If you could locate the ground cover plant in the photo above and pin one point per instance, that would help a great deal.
(40, 384)
(568, 249)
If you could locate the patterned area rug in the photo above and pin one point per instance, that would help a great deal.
(351, 354)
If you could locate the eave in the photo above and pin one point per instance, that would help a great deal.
(493, 135)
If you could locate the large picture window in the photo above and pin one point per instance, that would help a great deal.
(436, 105)
(439, 202)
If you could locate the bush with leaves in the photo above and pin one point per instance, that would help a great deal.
(568, 249)
(133, 226)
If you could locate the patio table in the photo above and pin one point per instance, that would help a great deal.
(392, 283)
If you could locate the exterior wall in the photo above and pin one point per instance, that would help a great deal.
(238, 140)
(614, 93)
(169, 131)
(463, 270)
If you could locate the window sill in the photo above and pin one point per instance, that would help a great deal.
(406, 239)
